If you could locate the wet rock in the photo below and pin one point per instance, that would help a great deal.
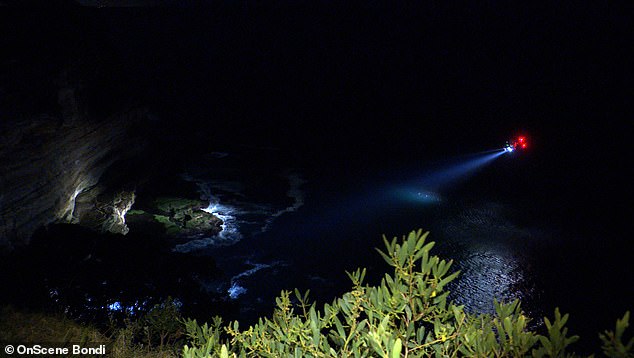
(106, 212)
(180, 218)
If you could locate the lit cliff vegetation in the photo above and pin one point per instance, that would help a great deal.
(407, 315)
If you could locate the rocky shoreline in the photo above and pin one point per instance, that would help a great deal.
(181, 218)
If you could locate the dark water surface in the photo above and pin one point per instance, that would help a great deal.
(507, 241)
(289, 227)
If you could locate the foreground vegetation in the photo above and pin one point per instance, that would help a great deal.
(406, 315)
(157, 334)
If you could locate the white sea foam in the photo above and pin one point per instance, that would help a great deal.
(228, 234)
(240, 217)
(294, 192)
(227, 214)
(235, 289)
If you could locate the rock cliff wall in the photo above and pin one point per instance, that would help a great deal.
(46, 164)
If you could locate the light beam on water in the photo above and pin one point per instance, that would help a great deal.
(426, 188)
(450, 174)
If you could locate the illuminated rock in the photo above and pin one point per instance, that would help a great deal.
(50, 160)
(43, 171)
(180, 218)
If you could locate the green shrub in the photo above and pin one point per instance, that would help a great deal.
(407, 315)
(158, 333)
(613, 345)
(159, 330)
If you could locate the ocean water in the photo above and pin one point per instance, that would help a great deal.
(318, 226)
(292, 229)
(507, 227)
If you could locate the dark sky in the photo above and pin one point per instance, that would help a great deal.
(345, 83)
(462, 75)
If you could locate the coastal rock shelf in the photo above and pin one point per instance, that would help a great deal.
(176, 218)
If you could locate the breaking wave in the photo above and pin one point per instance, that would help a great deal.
(240, 214)
(294, 192)
(236, 287)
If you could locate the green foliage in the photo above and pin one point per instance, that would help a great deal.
(557, 341)
(205, 339)
(166, 204)
(159, 328)
(407, 315)
(613, 345)
(162, 324)
(157, 333)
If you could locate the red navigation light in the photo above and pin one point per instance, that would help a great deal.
(516, 143)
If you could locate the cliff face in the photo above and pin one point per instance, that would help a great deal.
(69, 116)
(45, 165)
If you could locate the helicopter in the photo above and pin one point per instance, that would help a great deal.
(519, 143)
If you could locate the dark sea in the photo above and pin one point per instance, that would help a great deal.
(512, 231)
